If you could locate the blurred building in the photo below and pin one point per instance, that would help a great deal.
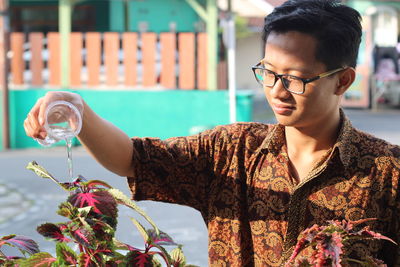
(380, 44)
(106, 15)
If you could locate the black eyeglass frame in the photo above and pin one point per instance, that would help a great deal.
(282, 76)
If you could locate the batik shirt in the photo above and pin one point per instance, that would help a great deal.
(238, 177)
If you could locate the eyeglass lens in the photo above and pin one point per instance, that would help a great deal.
(268, 78)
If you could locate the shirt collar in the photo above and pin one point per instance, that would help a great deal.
(343, 145)
(275, 140)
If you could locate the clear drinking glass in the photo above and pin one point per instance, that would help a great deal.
(63, 121)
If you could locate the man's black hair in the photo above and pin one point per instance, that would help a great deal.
(336, 27)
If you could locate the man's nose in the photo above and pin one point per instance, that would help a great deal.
(278, 90)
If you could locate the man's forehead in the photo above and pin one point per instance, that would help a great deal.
(297, 48)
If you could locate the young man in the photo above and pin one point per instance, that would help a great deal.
(258, 186)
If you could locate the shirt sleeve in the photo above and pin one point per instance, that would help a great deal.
(179, 170)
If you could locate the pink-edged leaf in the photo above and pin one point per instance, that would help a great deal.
(367, 233)
(101, 201)
(303, 241)
(53, 232)
(162, 239)
(23, 243)
(138, 259)
(42, 259)
(361, 221)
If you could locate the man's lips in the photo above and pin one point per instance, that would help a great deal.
(283, 109)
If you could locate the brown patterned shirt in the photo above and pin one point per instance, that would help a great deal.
(237, 176)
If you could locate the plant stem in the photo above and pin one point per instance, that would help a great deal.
(2, 254)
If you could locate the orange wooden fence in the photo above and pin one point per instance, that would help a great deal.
(133, 60)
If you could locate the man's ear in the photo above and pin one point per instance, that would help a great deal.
(346, 78)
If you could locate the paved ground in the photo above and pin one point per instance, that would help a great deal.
(27, 201)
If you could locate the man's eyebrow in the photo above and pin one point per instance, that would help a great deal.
(263, 62)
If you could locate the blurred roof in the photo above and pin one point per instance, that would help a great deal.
(248, 8)
(251, 8)
(275, 2)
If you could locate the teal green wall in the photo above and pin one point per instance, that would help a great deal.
(140, 113)
(102, 14)
(157, 13)
(117, 16)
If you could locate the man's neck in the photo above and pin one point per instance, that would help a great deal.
(318, 137)
(307, 145)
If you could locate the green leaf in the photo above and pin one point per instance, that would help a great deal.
(142, 230)
(66, 209)
(177, 257)
(122, 246)
(65, 255)
(42, 172)
(122, 199)
(83, 212)
(42, 259)
(156, 262)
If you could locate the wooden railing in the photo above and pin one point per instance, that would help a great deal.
(127, 60)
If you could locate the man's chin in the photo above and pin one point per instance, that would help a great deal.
(285, 120)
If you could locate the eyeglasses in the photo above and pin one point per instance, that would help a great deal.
(293, 84)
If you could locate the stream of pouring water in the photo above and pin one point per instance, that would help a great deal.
(68, 141)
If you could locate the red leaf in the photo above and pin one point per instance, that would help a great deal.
(101, 201)
(86, 261)
(83, 237)
(138, 259)
(52, 231)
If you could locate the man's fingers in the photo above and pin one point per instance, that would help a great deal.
(30, 130)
